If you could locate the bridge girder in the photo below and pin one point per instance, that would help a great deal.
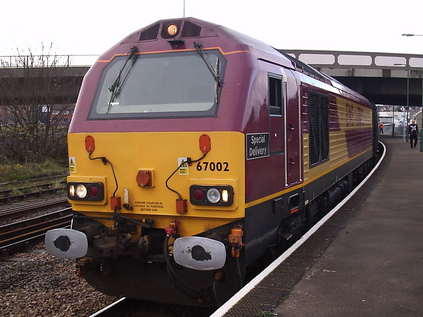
(387, 91)
(58, 85)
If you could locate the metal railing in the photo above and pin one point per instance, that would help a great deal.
(34, 61)
(338, 59)
(348, 59)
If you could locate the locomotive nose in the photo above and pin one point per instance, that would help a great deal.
(66, 243)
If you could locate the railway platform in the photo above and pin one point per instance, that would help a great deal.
(367, 260)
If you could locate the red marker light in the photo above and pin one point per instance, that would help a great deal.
(198, 194)
(145, 178)
(89, 144)
(93, 191)
(181, 206)
(115, 203)
(205, 143)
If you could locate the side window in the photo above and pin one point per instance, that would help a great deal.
(318, 128)
(275, 94)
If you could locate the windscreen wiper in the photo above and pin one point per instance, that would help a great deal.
(215, 73)
(118, 83)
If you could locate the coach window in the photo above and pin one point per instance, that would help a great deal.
(275, 95)
(318, 128)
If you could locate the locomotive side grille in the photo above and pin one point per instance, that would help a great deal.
(191, 29)
(314, 130)
(150, 33)
(324, 130)
(319, 132)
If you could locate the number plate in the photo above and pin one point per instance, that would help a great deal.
(213, 166)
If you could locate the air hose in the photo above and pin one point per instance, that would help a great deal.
(177, 282)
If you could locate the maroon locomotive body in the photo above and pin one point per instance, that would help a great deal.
(193, 151)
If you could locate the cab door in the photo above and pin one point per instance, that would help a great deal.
(285, 124)
(276, 112)
(293, 141)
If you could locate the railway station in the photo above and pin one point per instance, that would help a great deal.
(191, 169)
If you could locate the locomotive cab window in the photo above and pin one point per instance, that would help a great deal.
(182, 84)
(275, 95)
(318, 128)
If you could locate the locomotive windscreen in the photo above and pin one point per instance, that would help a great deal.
(159, 85)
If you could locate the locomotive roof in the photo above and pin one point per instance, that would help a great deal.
(292, 62)
(235, 40)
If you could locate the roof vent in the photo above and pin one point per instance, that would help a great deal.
(191, 29)
(150, 33)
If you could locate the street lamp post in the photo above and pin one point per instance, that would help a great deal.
(407, 106)
(421, 126)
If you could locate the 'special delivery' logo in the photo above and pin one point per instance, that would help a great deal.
(257, 145)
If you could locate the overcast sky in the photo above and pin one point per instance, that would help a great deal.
(92, 26)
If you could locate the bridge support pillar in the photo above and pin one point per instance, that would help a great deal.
(421, 139)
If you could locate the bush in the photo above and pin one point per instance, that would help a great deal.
(33, 126)
(23, 145)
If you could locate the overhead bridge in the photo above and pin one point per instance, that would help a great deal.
(42, 79)
(384, 78)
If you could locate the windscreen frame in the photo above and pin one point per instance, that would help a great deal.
(211, 112)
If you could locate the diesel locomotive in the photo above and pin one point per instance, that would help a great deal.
(193, 150)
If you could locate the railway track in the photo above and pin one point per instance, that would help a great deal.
(31, 188)
(125, 307)
(19, 232)
(23, 210)
(111, 309)
(32, 179)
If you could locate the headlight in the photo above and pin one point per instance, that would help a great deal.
(213, 195)
(225, 195)
(71, 190)
(81, 191)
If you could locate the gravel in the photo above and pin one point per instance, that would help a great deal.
(33, 283)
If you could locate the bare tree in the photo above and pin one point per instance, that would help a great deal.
(35, 110)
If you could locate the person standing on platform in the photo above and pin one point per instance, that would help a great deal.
(413, 130)
(381, 126)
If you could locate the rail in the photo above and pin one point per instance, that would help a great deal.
(110, 309)
(23, 231)
(32, 190)
(32, 179)
(24, 210)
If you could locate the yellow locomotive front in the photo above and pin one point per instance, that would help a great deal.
(153, 200)
(157, 172)
(159, 176)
